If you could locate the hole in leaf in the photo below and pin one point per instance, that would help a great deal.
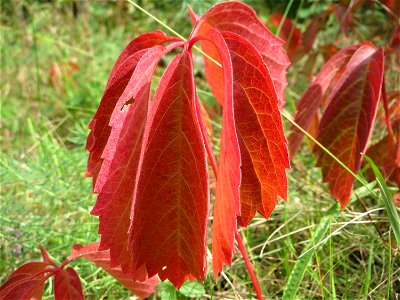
(164, 268)
(127, 103)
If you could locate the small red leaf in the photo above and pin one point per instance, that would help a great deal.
(289, 33)
(317, 93)
(24, 289)
(241, 19)
(21, 282)
(67, 285)
(352, 108)
(169, 217)
(394, 43)
(102, 259)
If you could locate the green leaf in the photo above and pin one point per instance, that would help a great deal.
(299, 269)
(387, 200)
(192, 289)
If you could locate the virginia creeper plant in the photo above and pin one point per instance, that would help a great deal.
(149, 154)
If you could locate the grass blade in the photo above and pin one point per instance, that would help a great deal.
(299, 269)
(387, 200)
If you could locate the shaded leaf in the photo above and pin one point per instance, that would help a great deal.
(352, 108)
(317, 94)
(67, 285)
(22, 282)
(102, 259)
(289, 33)
(169, 216)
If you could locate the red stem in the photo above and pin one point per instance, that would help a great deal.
(239, 240)
(249, 266)
(387, 113)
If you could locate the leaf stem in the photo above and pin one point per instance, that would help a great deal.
(249, 266)
(239, 240)
(387, 113)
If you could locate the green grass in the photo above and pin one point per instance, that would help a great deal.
(46, 199)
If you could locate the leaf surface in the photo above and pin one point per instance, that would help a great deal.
(22, 283)
(317, 94)
(348, 119)
(67, 285)
(168, 228)
(241, 19)
(227, 198)
(102, 259)
(259, 129)
(118, 79)
(289, 33)
(116, 181)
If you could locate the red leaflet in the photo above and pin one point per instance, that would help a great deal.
(289, 32)
(116, 180)
(23, 284)
(394, 43)
(116, 84)
(67, 285)
(227, 198)
(102, 259)
(169, 217)
(241, 19)
(259, 127)
(317, 93)
(352, 108)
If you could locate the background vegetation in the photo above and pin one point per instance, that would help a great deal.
(55, 59)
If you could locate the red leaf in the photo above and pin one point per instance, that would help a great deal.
(67, 285)
(351, 108)
(116, 180)
(239, 18)
(22, 285)
(102, 259)
(289, 33)
(227, 198)
(23, 289)
(317, 93)
(315, 26)
(259, 129)
(119, 77)
(394, 43)
(169, 217)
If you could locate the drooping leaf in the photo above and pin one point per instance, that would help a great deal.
(169, 218)
(22, 282)
(241, 19)
(67, 285)
(23, 289)
(118, 79)
(102, 259)
(259, 128)
(227, 198)
(384, 156)
(317, 93)
(351, 108)
(116, 180)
